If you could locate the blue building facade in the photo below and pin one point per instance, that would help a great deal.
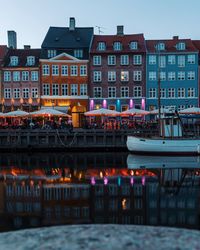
(174, 64)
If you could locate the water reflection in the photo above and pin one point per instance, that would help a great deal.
(52, 189)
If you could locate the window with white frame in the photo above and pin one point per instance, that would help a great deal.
(181, 61)
(137, 75)
(111, 92)
(97, 92)
(180, 46)
(34, 76)
(55, 70)
(162, 93)
(137, 91)
(78, 53)
(171, 59)
(83, 89)
(191, 75)
(7, 93)
(152, 93)
(124, 60)
(16, 93)
(7, 76)
(181, 75)
(73, 70)
(97, 76)
(46, 89)
(160, 46)
(25, 76)
(117, 46)
(133, 45)
(25, 93)
(55, 89)
(45, 70)
(181, 107)
(152, 59)
(191, 92)
(171, 76)
(74, 89)
(162, 76)
(124, 76)
(152, 76)
(14, 60)
(111, 76)
(34, 92)
(30, 60)
(191, 59)
(101, 46)
(64, 88)
(181, 92)
(137, 59)
(16, 76)
(51, 53)
(111, 60)
(162, 61)
(64, 70)
(96, 60)
(124, 92)
(171, 93)
(83, 70)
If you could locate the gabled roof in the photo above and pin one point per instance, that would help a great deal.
(3, 51)
(124, 39)
(62, 37)
(22, 54)
(64, 57)
(196, 44)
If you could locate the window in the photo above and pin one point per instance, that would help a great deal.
(46, 89)
(45, 70)
(152, 59)
(34, 92)
(180, 46)
(78, 53)
(191, 92)
(137, 91)
(25, 93)
(152, 76)
(160, 46)
(181, 61)
(101, 46)
(191, 75)
(83, 89)
(97, 76)
(124, 92)
(181, 107)
(124, 76)
(162, 93)
(124, 60)
(171, 93)
(16, 76)
(152, 93)
(162, 76)
(30, 60)
(96, 60)
(34, 76)
(97, 92)
(181, 75)
(133, 45)
(7, 93)
(137, 59)
(14, 60)
(162, 61)
(16, 93)
(111, 92)
(111, 76)
(181, 92)
(171, 76)
(171, 59)
(55, 89)
(7, 76)
(25, 76)
(74, 89)
(64, 88)
(64, 70)
(111, 60)
(117, 46)
(191, 59)
(55, 70)
(137, 76)
(83, 70)
(73, 70)
(51, 53)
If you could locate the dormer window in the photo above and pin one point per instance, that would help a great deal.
(78, 53)
(117, 46)
(30, 60)
(133, 45)
(161, 46)
(180, 46)
(101, 46)
(51, 53)
(14, 60)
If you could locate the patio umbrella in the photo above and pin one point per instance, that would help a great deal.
(49, 112)
(193, 110)
(102, 112)
(16, 113)
(134, 112)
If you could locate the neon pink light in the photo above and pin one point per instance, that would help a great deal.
(143, 180)
(91, 104)
(104, 104)
(131, 104)
(105, 180)
(143, 103)
(132, 181)
(93, 182)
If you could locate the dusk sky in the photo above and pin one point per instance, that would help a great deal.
(155, 18)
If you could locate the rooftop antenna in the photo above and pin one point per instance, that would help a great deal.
(99, 29)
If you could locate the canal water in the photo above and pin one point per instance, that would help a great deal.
(43, 189)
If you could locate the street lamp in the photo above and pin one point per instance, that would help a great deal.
(30, 101)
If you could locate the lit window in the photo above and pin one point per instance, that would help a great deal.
(124, 76)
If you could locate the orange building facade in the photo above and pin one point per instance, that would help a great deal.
(64, 86)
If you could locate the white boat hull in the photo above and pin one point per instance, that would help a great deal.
(163, 146)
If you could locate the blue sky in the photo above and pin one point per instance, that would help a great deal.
(155, 18)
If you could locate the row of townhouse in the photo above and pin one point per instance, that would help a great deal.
(75, 71)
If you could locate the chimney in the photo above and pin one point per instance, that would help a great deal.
(12, 39)
(175, 37)
(27, 46)
(120, 30)
(72, 24)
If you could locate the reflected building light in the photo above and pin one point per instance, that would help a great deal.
(119, 181)
(101, 174)
(131, 104)
(143, 180)
(143, 103)
(124, 207)
(104, 104)
(105, 180)
(132, 172)
(93, 182)
(132, 181)
(91, 104)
